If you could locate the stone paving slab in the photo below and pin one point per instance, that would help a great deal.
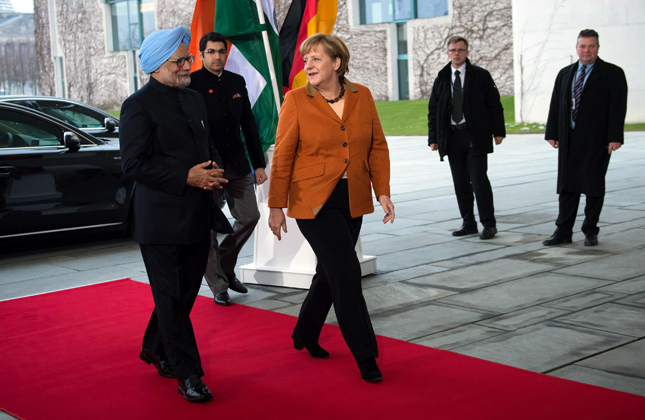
(632, 286)
(504, 252)
(400, 294)
(565, 255)
(614, 268)
(584, 300)
(626, 360)
(478, 275)
(612, 317)
(65, 281)
(637, 299)
(382, 277)
(29, 270)
(457, 337)
(544, 347)
(600, 378)
(400, 243)
(523, 318)
(431, 253)
(420, 320)
(522, 293)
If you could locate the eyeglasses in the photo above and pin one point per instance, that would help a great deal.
(212, 51)
(455, 50)
(182, 60)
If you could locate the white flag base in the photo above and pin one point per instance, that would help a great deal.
(290, 262)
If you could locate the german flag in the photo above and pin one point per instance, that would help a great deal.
(305, 18)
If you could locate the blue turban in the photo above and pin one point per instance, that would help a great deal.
(160, 45)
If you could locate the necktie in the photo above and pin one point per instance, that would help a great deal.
(577, 92)
(457, 99)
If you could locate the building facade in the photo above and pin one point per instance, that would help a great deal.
(89, 47)
(545, 35)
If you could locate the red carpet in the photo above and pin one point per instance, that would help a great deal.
(74, 355)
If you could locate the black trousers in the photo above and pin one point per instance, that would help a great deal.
(468, 176)
(568, 203)
(333, 235)
(175, 273)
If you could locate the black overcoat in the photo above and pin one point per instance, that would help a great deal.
(483, 110)
(229, 109)
(163, 133)
(583, 155)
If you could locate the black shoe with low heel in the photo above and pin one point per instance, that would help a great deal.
(316, 351)
(370, 371)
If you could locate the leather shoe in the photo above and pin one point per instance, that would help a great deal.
(223, 299)
(236, 285)
(556, 239)
(194, 390)
(316, 351)
(162, 365)
(591, 239)
(370, 371)
(465, 230)
(488, 233)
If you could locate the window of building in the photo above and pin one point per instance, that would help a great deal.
(379, 11)
(132, 21)
(402, 60)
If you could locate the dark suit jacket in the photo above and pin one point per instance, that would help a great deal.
(163, 133)
(582, 164)
(314, 147)
(482, 109)
(227, 102)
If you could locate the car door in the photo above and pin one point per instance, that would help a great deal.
(46, 186)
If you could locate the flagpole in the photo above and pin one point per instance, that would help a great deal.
(267, 48)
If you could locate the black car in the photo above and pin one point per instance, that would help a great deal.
(77, 114)
(57, 178)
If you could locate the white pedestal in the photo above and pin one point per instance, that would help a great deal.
(290, 262)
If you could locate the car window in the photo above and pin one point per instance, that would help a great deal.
(72, 114)
(18, 129)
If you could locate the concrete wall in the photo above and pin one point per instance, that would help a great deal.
(544, 39)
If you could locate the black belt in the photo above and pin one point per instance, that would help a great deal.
(458, 126)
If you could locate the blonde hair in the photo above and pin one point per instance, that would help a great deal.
(333, 47)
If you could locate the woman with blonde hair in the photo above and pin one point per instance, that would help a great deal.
(330, 149)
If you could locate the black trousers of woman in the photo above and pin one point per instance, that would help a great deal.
(333, 235)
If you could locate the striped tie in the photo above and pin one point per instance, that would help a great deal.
(577, 92)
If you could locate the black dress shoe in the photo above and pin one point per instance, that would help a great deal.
(162, 365)
(488, 233)
(465, 230)
(556, 239)
(316, 351)
(370, 371)
(591, 239)
(223, 299)
(194, 390)
(235, 284)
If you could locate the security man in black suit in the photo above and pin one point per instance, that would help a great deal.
(229, 108)
(586, 123)
(464, 114)
(167, 151)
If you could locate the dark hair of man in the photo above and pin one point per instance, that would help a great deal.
(455, 39)
(212, 37)
(589, 33)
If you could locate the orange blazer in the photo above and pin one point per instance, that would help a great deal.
(314, 147)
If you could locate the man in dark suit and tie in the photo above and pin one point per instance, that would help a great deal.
(167, 151)
(229, 108)
(464, 115)
(586, 122)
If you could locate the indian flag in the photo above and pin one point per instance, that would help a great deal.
(239, 21)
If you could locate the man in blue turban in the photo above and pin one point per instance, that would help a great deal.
(167, 151)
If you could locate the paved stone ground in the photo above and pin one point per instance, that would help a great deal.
(571, 311)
